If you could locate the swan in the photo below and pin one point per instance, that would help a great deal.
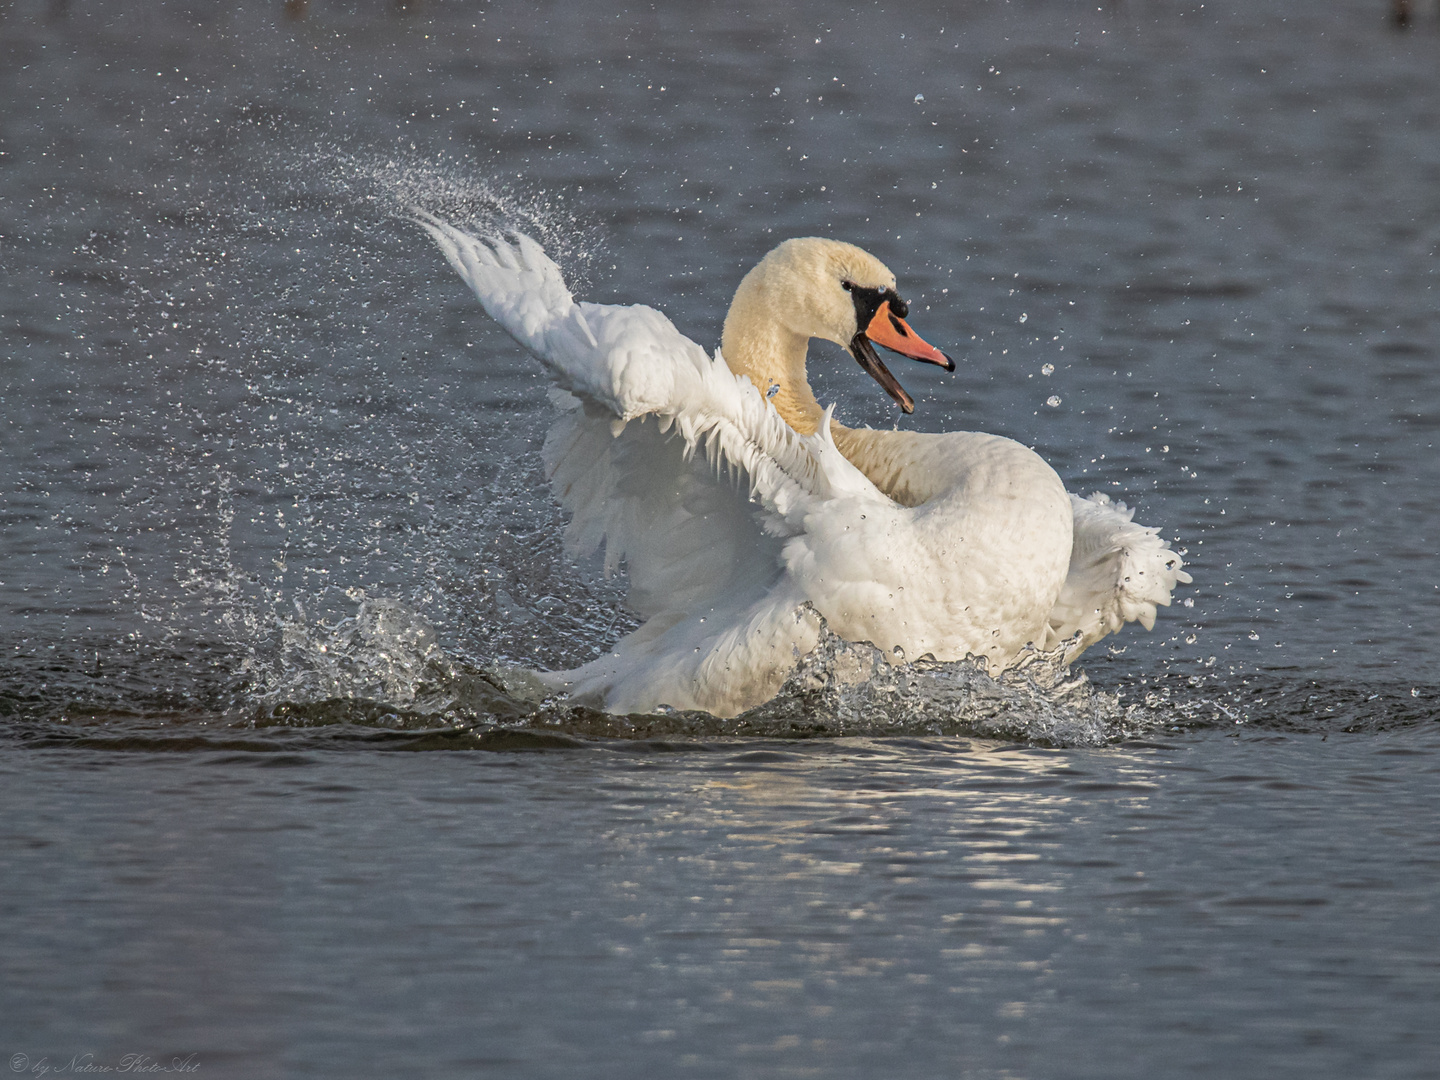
(744, 511)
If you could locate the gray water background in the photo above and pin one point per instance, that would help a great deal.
(272, 506)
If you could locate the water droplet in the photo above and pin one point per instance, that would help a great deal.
(1024, 316)
(775, 92)
(1048, 369)
(1053, 401)
(919, 98)
(1414, 691)
(1254, 636)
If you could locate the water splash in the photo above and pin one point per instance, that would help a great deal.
(849, 688)
(382, 653)
(345, 461)
(383, 187)
(385, 662)
(383, 668)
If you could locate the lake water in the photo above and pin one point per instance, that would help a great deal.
(273, 510)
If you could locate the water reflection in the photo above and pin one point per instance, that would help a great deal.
(906, 868)
(833, 864)
(773, 905)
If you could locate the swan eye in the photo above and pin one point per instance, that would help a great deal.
(848, 286)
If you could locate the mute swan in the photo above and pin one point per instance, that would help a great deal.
(741, 508)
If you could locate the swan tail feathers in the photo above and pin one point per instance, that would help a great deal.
(1120, 572)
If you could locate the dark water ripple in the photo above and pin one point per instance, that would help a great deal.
(756, 905)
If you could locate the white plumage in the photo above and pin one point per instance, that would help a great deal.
(738, 516)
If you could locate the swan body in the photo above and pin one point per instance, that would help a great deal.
(742, 510)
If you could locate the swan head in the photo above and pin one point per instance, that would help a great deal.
(817, 288)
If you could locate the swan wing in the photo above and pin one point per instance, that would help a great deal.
(686, 533)
(625, 359)
(660, 454)
(1120, 572)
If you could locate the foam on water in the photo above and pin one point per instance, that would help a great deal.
(383, 666)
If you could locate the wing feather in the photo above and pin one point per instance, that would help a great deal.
(682, 471)
(631, 362)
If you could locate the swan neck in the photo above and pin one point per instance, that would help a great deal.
(757, 345)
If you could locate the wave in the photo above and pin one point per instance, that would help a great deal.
(379, 679)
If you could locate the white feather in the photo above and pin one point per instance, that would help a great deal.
(1119, 573)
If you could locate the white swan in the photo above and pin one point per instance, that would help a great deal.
(735, 500)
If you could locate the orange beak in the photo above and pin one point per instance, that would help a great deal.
(894, 333)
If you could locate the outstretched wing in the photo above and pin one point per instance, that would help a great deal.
(679, 468)
(627, 360)
(1119, 573)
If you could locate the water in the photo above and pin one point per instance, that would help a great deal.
(272, 506)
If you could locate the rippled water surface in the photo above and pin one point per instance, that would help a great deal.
(271, 506)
